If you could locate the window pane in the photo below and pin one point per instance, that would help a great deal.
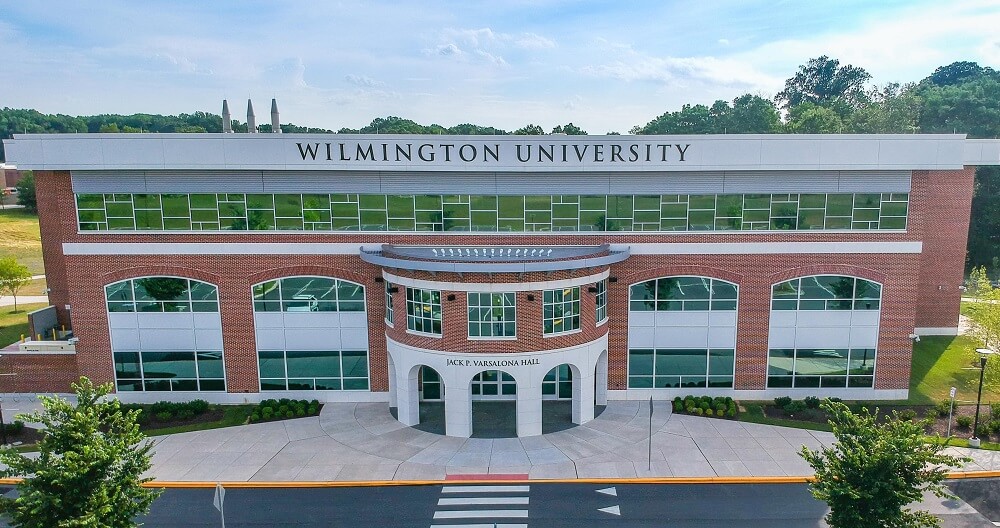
(640, 361)
(168, 364)
(313, 364)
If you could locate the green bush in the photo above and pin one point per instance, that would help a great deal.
(709, 412)
(732, 411)
(254, 417)
(163, 416)
(678, 405)
(984, 430)
(699, 411)
(907, 415)
(198, 406)
(794, 407)
(720, 407)
(964, 422)
(312, 410)
(782, 401)
(943, 408)
(15, 427)
(705, 405)
(811, 402)
(995, 411)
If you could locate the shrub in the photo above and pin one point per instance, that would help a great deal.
(720, 407)
(964, 422)
(732, 411)
(942, 408)
(995, 411)
(312, 410)
(164, 415)
(254, 417)
(709, 412)
(984, 430)
(782, 401)
(289, 414)
(907, 414)
(15, 427)
(811, 402)
(699, 411)
(300, 412)
(198, 406)
(705, 405)
(794, 407)
(678, 405)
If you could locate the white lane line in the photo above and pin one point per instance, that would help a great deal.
(482, 500)
(480, 514)
(490, 525)
(485, 489)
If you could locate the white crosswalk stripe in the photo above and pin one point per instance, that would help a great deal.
(482, 506)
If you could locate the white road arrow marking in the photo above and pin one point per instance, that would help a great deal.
(613, 510)
(609, 491)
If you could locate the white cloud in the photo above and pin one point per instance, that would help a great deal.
(363, 81)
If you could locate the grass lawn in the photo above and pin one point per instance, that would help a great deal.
(12, 325)
(21, 240)
(938, 363)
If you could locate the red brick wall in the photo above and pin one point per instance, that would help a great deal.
(38, 373)
(940, 205)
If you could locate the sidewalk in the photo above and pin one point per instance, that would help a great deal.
(23, 299)
(363, 442)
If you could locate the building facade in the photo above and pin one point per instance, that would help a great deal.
(408, 269)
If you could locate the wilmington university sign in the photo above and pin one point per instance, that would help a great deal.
(497, 152)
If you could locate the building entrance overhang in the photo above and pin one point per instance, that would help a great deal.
(494, 259)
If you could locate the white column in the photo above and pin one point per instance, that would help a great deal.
(407, 397)
(583, 399)
(393, 402)
(529, 406)
(457, 409)
(601, 377)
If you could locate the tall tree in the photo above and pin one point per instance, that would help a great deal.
(26, 192)
(13, 277)
(529, 130)
(569, 129)
(89, 465)
(823, 80)
(875, 470)
(811, 118)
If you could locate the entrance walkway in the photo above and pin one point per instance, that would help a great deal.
(363, 442)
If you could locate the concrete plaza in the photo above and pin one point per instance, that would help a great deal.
(363, 442)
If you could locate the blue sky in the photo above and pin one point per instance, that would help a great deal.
(605, 66)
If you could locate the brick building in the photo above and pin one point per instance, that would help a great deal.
(409, 269)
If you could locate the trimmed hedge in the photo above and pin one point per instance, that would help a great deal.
(717, 407)
(271, 409)
(165, 411)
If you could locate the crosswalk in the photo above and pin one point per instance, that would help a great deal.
(482, 506)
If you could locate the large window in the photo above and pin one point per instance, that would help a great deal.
(558, 383)
(601, 300)
(680, 368)
(492, 315)
(821, 368)
(308, 294)
(560, 310)
(493, 383)
(169, 371)
(161, 294)
(313, 370)
(682, 294)
(423, 311)
(826, 292)
(388, 302)
(491, 213)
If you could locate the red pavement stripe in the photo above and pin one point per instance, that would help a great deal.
(490, 476)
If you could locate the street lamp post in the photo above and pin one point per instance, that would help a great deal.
(983, 355)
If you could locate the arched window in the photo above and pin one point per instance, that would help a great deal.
(824, 332)
(308, 294)
(682, 293)
(669, 349)
(161, 294)
(166, 334)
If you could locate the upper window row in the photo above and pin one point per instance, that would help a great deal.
(308, 294)
(161, 294)
(490, 213)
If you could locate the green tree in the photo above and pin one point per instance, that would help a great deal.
(26, 192)
(823, 80)
(13, 277)
(979, 282)
(569, 129)
(875, 470)
(89, 465)
(894, 109)
(811, 118)
(529, 130)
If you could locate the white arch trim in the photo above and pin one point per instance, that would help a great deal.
(527, 368)
(494, 287)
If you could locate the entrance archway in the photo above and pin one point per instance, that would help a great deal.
(494, 404)
(557, 398)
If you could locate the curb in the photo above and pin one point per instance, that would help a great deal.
(382, 483)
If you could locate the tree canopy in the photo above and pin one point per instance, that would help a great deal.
(823, 80)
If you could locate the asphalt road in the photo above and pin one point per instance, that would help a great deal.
(536, 505)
